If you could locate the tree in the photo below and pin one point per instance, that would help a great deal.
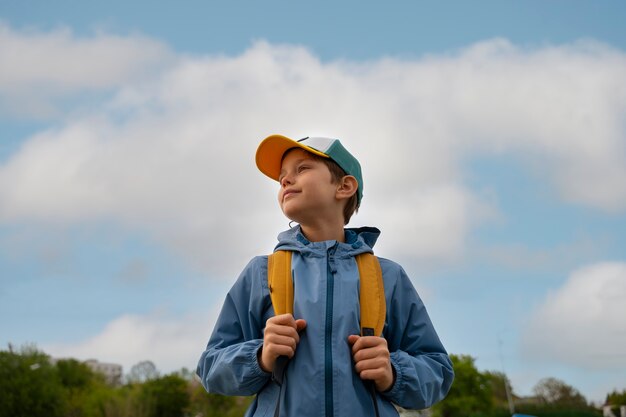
(167, 396)
(186, 374)
(75, 374)
(142, 372)
(553, 391)
(29, 384)
(498, 382)
(214, 405)
(471, 392)
(616, 398)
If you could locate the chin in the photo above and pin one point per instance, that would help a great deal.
(290, 212)
(294, 217)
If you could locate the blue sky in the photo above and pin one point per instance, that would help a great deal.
(493, 141)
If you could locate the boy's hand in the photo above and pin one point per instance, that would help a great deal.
(280, 339)
(371, 357)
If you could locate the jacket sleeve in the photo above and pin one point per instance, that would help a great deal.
(423, 368)
(229, 365)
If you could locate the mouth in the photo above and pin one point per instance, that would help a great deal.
(288, 193)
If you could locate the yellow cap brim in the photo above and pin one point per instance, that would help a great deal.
(269, 154)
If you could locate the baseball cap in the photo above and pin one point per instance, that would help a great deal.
(270, 153)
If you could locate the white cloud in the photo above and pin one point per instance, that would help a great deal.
(582, 323)
(38, 67)
(436, 219)
(170, 342)
(172, 155)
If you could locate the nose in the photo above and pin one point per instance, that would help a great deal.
(285, 180)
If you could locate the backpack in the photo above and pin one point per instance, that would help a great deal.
(371, 294)
(371, 299)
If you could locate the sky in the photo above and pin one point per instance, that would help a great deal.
(492, 138)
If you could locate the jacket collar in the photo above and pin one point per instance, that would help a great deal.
(358, 240)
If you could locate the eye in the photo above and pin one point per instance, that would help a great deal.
(303, 167)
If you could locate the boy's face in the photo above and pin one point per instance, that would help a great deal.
(307, 193)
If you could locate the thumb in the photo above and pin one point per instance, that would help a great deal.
(300, 324)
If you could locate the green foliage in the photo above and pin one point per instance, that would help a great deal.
(167, 396)
(616, 398)
(552, 391)
(558, 411)
(33, 386)
(483, 394)
(498, 383)
(471, 392)
(78, 382)
(74, 374)
(142, 372)
(213, 405)
(29, 384)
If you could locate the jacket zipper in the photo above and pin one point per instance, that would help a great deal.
(328, 370)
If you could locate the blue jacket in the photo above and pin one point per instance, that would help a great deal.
(320, 378)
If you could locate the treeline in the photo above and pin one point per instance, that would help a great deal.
(484, 394)
(33, 385)
(615, 400)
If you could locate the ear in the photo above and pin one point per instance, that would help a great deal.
(347, 187)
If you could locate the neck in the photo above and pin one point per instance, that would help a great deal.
(320, 233)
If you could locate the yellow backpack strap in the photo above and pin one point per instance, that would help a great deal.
(280, 281)
(372, 295)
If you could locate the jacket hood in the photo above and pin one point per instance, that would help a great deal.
(358, 240)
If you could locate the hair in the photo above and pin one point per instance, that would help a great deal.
(336, 175)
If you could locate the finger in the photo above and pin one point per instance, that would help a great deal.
(372, 374)
(357, 343)
(370, 365)
(281, 341)
(382, 377)
(282, 338)
(379, 351)
(371, 341)
(280, 350)
(371, 353)
(367, 342)
(281, 329)
(283, 319)
(300, 325)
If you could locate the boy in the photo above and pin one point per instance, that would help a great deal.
(331, 368)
